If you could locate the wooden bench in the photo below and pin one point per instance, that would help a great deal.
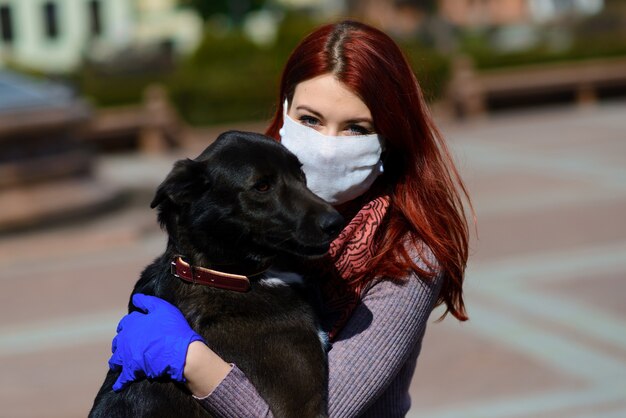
(151, 126)
(47, 169)
(472, 92)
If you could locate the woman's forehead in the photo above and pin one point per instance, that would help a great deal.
(328, 96)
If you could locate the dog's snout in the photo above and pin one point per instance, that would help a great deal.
(331, 223)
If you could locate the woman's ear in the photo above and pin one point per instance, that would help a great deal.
(182, 183)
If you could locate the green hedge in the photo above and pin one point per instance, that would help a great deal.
(229, 78)
(582, 48)
(432, 69)
(105, 90)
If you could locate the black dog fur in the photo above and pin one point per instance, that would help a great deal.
(238, 207)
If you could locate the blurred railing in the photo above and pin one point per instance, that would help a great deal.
(473, 93)
(150, 126)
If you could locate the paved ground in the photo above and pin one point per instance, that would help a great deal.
(545, 287)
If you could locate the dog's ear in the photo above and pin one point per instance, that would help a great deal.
(187, 177)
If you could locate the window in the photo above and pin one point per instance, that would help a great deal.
(51, 20)
(6, 24)
(95, 18)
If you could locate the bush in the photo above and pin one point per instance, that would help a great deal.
(582, 47)
(432, 69)
(229, 78)
(106, 90)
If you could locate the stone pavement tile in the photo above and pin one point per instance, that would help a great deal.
(605, 292)
(66, 272)
(518, 252)
(510, 234)
(458, 367)
(556, 128)
(516, 190)
(520, 182)
(546, 131)
(507, 362)
(588, 307)
(60, 384)
(62, 293)
(67, 241)
(611, 409)
(69, 289)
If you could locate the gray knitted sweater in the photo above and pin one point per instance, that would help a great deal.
(371, 362)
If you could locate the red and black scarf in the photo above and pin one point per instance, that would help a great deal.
(350, 255)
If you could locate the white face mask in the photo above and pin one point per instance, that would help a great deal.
(337, 168)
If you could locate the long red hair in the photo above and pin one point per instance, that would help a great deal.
(423, 183)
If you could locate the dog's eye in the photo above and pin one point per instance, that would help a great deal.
(262, 186)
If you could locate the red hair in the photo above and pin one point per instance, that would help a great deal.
(424, 185)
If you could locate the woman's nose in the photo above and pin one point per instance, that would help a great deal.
(330, 131)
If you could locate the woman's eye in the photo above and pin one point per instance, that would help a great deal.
(262, 186)
(309, 120)
(359, 130)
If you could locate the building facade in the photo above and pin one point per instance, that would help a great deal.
(55, 35)
(468, 13)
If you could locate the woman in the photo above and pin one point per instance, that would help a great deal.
(351, 109)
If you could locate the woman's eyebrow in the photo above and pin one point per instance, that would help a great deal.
(319, 115)
(308, 109)
(360, 120)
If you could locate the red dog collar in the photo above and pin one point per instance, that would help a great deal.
(208, 277)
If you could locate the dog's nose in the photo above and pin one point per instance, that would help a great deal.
(331, 223)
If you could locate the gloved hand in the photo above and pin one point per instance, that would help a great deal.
(152, 344)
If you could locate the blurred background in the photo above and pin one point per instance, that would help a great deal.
(99, 98)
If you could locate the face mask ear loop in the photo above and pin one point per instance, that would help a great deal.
(285, 105)
(384, 156)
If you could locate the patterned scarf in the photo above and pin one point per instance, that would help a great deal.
(350, 255)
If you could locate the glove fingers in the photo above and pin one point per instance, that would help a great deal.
(115, 362)
(146, 303)
(123, 380)
(114, 344)
(114, 367)
(120, 325)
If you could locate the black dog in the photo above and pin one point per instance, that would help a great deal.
(239, 207)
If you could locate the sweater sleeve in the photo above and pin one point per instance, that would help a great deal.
(366, 356)
(235, 396)
(377, 341)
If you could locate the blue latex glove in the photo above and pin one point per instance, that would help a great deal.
(152, 344)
